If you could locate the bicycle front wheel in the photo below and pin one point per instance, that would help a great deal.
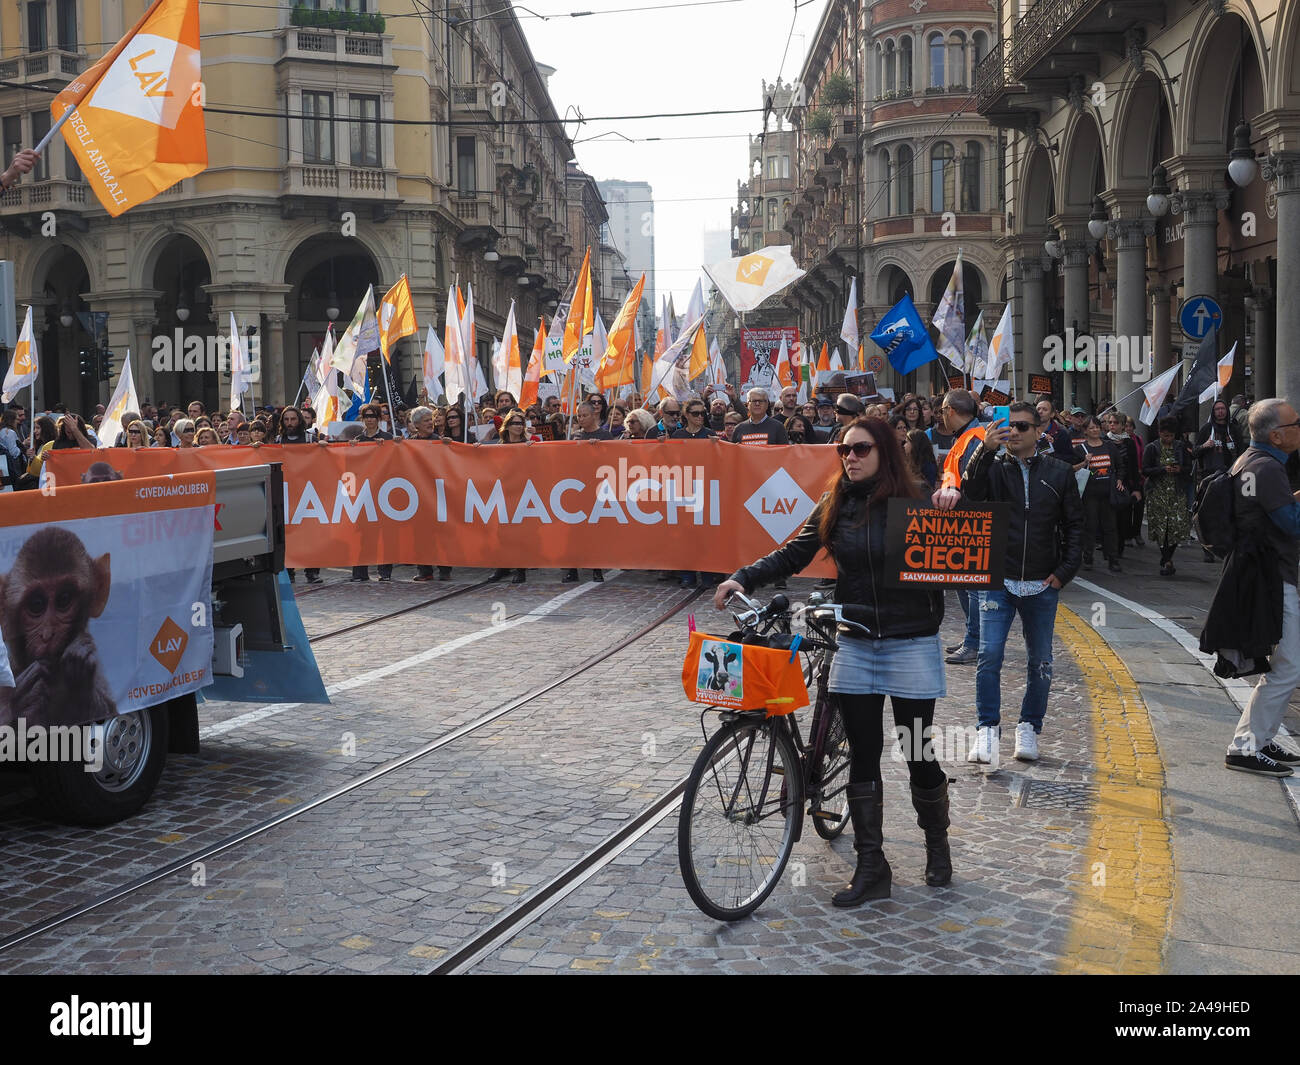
(739, 818)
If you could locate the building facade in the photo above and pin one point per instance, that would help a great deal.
(896, 172)
(312, 191)
(631, 230)
(1153, 159)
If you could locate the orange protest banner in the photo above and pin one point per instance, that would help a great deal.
(692, 505)
(76, 500)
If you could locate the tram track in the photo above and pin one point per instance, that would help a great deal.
(208, 851)
(316, 637)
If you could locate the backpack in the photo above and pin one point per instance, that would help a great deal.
(1213, 516)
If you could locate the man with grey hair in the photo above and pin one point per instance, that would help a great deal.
(761, 428)
(1265, 508)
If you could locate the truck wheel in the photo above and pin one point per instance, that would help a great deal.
(135, 750)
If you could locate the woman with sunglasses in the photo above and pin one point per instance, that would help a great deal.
(694, 422)
(514, 430)
(901, 659)
(137, 436)
(454, 425)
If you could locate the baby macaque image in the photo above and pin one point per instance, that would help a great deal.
(46, 602)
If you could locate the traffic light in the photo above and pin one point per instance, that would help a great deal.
(105, 364)
(89, 366)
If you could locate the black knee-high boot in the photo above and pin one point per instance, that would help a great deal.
(873, 877)
(932, 818)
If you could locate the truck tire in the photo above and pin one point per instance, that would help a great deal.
(135, 750)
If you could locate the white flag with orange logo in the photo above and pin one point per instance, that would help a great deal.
(454, 375)
(24, 367)
(748, 281)
(434, 361)
(124, 400)
(396, 316)
(506, 370)
(1225, 376)
(532, 379)
(135, 118)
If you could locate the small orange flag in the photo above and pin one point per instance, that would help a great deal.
(396, 316)
(582, 312)
(618, 360)
(823, 363)
(528, 394)
(136, 121)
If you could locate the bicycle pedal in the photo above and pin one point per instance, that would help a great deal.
(825, 815)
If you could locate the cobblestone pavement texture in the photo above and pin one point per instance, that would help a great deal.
(393, 876)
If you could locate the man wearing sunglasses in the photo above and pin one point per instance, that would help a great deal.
(1043, 551)
(847, 408)
(761, 428)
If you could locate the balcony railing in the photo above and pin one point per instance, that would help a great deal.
(1041, 28)
(53, 195)
(471, 102)
(320, 43)
(344, 182)
(55, 64)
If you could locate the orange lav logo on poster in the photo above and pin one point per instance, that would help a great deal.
(168, 645)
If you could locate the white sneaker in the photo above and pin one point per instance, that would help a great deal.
(1026, 742)
(986, 746)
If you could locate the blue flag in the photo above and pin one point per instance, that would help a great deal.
(904, 337)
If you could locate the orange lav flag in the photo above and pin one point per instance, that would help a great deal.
(618, 361)
(396, 316)
(135, 118)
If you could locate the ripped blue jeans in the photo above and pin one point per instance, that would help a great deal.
(998, 608)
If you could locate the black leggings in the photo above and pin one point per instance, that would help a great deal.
(863, 722)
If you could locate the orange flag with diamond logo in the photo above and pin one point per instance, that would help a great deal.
(135, 118)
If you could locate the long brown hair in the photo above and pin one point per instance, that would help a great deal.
(894, 478)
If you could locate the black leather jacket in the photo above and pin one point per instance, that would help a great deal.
(1044, 539)
(858, 550)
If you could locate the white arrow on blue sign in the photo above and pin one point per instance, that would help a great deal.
(1198, 315)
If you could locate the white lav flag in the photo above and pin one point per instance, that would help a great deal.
(671, 368)
(748, 281)
(1225, 375)
(1002, 348)
(239, 369)
(1155, 391)
(950, 320)
(849, 330)
(124, 399)
(434, 361)
(24, 366)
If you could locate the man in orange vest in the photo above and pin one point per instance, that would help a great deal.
(957, 418)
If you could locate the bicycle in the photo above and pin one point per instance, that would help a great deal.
(743, 805)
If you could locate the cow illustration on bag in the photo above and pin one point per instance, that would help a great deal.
(724, 672)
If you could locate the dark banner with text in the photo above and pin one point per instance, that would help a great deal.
(962, 548)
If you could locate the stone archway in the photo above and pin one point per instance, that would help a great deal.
(69, 361)
(183, 355)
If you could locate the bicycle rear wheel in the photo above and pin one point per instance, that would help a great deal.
(830, 769)
(739, 818)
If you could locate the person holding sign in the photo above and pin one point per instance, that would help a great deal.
(900, 658)
(1043, 548)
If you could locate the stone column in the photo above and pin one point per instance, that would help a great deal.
(1284, 169)
(277, 367)
(1074, 261)
(1200, 211)
(1263, 381)
(1161, 352)
(1131, 298)
(1033, 316)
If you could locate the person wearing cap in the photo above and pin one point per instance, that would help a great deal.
(847, 407)
(825, 421)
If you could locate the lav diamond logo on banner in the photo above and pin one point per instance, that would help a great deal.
(168, 645)
(780, 506)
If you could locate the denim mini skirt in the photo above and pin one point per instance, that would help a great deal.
(908, 668)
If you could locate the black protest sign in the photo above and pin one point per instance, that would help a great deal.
(959, 548)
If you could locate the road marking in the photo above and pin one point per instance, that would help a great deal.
(1124, 892)
(362, 679)
(1238, 689)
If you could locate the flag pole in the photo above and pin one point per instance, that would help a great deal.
(1115, 405)
(49, 136)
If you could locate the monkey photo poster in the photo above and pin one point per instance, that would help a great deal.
(959, 548)
(105, 597)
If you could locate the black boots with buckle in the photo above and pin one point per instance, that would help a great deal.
(873, 877)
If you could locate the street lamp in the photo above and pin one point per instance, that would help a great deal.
(65, 317)
(1053, 247)
(1242, 166)
(332, 311)
(1097, 220)
(1158, 194)
(491, 255)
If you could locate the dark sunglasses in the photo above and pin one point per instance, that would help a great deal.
(860, 450)
(696, 410)
(1021, 427)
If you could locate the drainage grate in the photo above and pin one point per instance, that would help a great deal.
(1057, 794)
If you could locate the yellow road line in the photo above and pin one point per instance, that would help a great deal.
(1123, 897)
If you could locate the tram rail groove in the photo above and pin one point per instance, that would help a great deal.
(183, 864)
(316, 637)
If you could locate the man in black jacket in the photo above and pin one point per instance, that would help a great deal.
(1044, 548)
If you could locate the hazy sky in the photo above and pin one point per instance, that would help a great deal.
(670, 58)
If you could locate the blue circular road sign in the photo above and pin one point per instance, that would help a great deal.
(1198, 315)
